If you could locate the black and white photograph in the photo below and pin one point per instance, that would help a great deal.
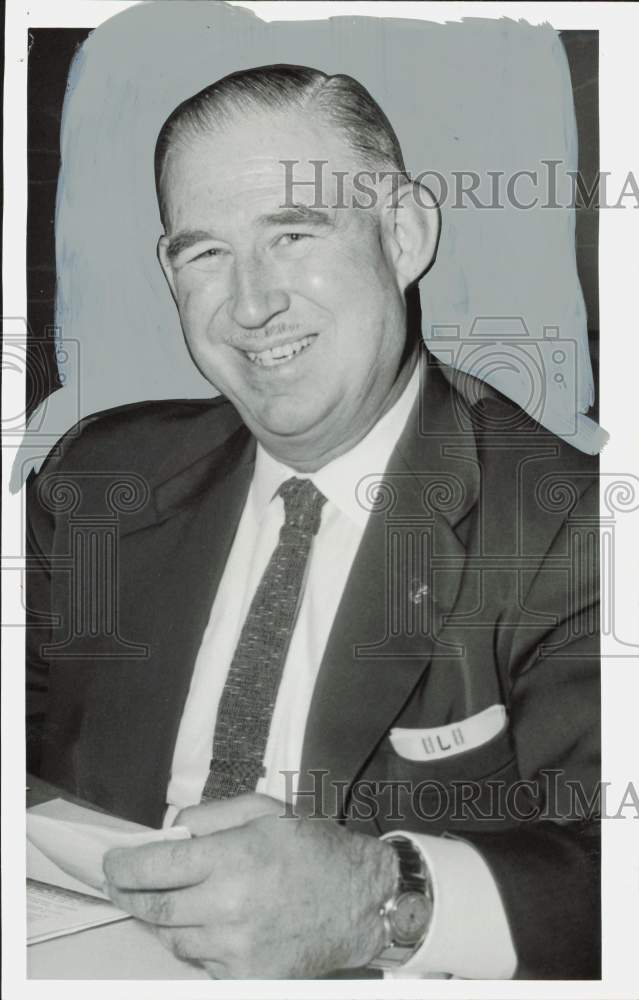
(321, 500)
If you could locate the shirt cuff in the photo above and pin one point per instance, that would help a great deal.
(170, 816)
(469, 936)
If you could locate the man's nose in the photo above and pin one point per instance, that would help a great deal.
(256, 295)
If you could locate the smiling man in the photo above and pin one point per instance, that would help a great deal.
(296, 314)
(346, 626)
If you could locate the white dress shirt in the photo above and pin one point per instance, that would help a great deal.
(462, 940)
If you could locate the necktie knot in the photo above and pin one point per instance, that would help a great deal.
(303, 504)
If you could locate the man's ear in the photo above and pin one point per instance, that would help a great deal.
(410, 227)
(165, 264)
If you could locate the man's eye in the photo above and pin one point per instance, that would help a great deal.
(212, 259)
(211, 252)
(288, 238)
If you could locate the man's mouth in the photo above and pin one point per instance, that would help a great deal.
(281, 353)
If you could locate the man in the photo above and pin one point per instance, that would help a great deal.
(343, 599)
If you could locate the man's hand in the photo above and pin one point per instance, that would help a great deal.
(254, 894)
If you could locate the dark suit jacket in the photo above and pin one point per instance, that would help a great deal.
(474, 585)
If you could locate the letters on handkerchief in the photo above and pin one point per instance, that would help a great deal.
(445, 741)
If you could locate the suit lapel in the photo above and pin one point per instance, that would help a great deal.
(194, 516)
(404, 581)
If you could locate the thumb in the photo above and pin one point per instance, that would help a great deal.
(210, 817)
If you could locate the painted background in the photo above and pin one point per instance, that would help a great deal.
(475, 95)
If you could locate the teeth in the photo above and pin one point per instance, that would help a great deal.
(277, 355)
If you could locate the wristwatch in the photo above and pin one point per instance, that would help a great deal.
(408, 912)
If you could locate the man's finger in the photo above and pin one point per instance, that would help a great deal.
(211, 817)
(191, 907)
(162, 865)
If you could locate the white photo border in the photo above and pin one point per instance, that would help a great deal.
(617, 24)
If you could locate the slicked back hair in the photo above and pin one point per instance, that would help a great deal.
(339, 101)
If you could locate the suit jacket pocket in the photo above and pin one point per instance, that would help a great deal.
(455, 791)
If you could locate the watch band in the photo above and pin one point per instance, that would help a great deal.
(413, 878)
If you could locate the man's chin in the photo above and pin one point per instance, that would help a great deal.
(288, 428)
(284, 430)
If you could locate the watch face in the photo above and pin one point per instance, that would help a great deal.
(410, 918)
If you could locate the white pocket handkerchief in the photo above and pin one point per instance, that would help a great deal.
(445, 741)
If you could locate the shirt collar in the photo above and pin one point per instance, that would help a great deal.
(338, 480)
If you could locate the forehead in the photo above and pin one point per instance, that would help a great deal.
(242, 168)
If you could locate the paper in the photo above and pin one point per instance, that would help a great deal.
(66, 845)
(54, 912)
(78, 849)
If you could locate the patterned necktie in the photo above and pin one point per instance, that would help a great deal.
(247, 702)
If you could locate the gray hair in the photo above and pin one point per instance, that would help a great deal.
(340, 100)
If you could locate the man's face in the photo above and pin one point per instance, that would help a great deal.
(296, 316)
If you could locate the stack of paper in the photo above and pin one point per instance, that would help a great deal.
(53, 912)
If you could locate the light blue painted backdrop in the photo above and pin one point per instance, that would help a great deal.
(482, 95)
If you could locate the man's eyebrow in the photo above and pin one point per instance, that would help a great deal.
(185, 239)
(295, 215)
